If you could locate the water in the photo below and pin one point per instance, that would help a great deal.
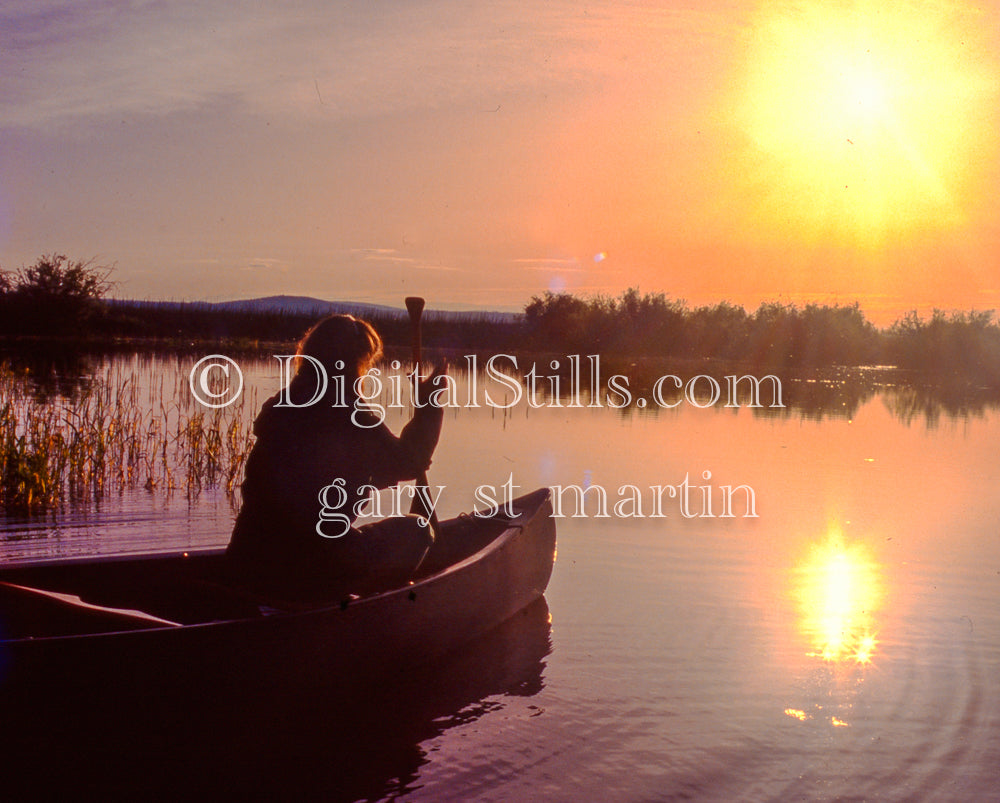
(841, 645)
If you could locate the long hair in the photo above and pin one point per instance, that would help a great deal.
(344, 344)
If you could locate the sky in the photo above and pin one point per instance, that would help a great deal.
(479, 154)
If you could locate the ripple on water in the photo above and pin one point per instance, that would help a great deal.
(130, 523)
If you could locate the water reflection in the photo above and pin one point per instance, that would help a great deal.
(910, 404)
(290, 734)
(50, 370)
(53, 369)
(689, 659)
(839, 591)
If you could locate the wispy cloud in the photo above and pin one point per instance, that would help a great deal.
(550, 264)
(71, 60)
(65, 60)
(546, 261)
(390, 256)
(375, 252)
(381, 255)
(437, 266)
(268, 264)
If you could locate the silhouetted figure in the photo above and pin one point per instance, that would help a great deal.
(276, 546)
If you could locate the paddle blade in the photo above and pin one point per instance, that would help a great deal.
(414, 306)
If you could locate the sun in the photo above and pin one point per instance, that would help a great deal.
(858, 124)
(861, 95)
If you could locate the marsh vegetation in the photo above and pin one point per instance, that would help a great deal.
(122, 429)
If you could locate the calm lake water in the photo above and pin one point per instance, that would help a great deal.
(842, 645)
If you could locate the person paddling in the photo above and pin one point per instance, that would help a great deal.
(305, 442)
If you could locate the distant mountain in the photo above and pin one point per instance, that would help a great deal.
(305, 305)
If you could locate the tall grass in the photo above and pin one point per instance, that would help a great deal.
(111, 435)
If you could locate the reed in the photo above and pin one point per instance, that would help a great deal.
(114, 434)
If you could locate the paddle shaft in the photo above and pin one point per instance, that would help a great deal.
(415, 308)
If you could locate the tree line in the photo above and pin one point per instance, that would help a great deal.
(776, 336)
(59, 297)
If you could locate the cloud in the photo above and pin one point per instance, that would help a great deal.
(550, 264)
(79, 60)
(381, 255)
(435, 266)
(72, 60)
(268, 264)
(390, 256)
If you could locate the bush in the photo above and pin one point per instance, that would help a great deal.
(965, 344)
(55, 295)
(634, 323)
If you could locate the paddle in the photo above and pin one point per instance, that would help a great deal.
(415, 308)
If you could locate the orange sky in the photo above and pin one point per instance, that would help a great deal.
(478, 156)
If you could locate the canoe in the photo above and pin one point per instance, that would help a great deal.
(157, 621)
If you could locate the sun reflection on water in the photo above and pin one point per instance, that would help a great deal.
(839, 591)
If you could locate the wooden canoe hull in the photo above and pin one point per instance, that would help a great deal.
(336, 646)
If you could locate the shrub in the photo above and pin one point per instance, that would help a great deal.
(55, 295)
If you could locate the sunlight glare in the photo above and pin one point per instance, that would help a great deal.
(864, 95)
(839, 591)
(861, 123)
